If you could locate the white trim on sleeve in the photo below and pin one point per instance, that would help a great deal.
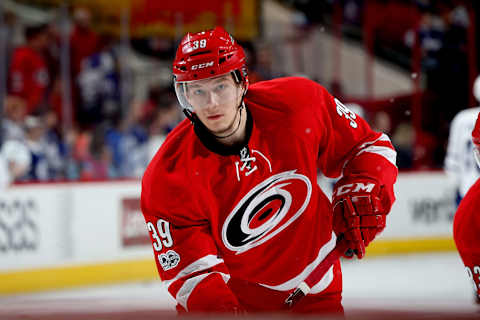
(386, 152)
(203, 263)
(184, 293)
(383, 137)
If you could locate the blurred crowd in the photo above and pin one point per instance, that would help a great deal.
(101, 138)
(104, 140)
(436, 33)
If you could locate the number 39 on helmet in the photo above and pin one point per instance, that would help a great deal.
(205, 55)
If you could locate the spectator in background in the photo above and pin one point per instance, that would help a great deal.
(99, 87)
(13, 116)
(403, 139)
(80, 149)
(431, 34)
(459, 161)
(134, 143)
(96, 162)
(57, 148)
(381, 122)
(443, 40)
(84, 42)
(46, 162)
(14, 162)
(162, 121)
(262, 69)
(28, 74)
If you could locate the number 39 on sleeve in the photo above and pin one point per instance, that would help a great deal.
(161, 234)
(342, 110)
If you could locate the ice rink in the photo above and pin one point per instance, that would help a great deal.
(426, 286)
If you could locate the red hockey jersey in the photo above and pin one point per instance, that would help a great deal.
(240, 227)
(466, 230)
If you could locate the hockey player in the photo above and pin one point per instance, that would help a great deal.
(459, 161)
(231, 202)
(466, 224)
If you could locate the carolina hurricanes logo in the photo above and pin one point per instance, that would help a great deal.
(266, 210)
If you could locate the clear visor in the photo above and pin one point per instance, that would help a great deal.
(197, 94)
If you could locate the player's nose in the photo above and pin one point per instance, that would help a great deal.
(213, 100)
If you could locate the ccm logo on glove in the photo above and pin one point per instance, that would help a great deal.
(354, 187)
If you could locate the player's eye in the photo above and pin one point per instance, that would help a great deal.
(198, 92)
(221, 87)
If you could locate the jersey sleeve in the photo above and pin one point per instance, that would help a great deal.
(185, 253)
(348, 146)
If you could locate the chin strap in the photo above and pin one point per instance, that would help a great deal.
(190, 115)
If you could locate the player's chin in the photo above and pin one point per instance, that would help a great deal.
(218, 127)
(220, 131)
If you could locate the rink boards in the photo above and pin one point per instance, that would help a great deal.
(74, 234)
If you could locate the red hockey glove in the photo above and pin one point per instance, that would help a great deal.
(360, 206)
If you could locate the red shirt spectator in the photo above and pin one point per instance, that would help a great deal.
(83, 40)
(28, 76)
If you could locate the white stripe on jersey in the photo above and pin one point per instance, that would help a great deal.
(203, 263)
(386, 152)
(383, 137)
(184, 293)
(322, 284)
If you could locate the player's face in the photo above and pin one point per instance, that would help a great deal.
(215, 102)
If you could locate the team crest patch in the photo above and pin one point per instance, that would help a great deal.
(168, 260)
(266, 210)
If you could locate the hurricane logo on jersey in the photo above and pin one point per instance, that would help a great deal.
(266, 210)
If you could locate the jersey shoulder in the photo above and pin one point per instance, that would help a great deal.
(166, 177)
(289, 83)
(286, 94)
(292, 101)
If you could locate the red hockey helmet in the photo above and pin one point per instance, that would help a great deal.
(208, 54)
(476, 140)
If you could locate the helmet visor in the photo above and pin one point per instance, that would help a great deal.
(198, 94)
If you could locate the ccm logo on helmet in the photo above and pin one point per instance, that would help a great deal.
(202, 65)
(355, 187)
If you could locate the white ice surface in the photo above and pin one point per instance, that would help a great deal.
(414, 282)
